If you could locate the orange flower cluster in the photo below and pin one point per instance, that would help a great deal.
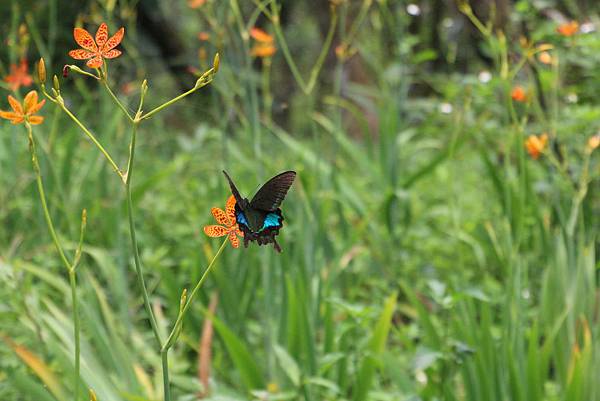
(535, 145)
(594, 142)
(265, 43)
(195, 3)
(96, 51)
(24, 112)
(518, 94)
(229, 223)
(568, 28)
(18, 76)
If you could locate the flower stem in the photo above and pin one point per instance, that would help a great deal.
(134, 244)
(76, 329)
(171, 339)
(164, 355)
(116, 99)
(70, 267)
(91, 137)
(306, 87)
(204, 80)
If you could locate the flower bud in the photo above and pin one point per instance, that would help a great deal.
(55, 83)
(42, 71)
(216, 62)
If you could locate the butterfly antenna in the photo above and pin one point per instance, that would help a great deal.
(234, 191)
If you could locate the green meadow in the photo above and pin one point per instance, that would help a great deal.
(439, 241)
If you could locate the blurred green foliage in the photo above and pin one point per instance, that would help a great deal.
(426, 256)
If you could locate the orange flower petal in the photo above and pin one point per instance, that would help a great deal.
(215, 231)
(220, 216)
(239, 232)
(84, 39)
(101, 35)
(16, 106)
(81, 54)
(261, 36)
(9, 115)
(30, 101)
(111, 53)
(568, 29)
(114, 40)
(230, 208)
(95, 62)
(35, 120)
(36, 107)
(263, 51)
(195, 3)
(235, 242)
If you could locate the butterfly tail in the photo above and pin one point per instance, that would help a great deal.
(276, 245)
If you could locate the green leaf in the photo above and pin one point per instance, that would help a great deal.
(288, 364)
(376, 347)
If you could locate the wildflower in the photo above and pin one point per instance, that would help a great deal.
(265, 43)
(535, 145)
(594, 142)
(96, 51)
(545, 58)
(18, 76)
(518, 94)
(446, 108)
(344, 51)
(203, 36)
(195, 3)
(568, 28)
(24, 112)
(229, 223)
(485, 77)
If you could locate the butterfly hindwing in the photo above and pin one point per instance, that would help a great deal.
(272, 193)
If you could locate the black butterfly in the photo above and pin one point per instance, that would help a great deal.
(260, 219)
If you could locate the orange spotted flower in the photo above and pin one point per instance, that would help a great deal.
(568, 28)
(535, 145)
(96, 51)
(18, 76)
(24, 112)
(594, 142)
(518, 94)
(265, 43)
(229, 223)
(196, 3)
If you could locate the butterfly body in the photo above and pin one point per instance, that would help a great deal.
(261, 219)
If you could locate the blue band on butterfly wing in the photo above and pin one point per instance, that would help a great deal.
(241, 218)
(272, 220)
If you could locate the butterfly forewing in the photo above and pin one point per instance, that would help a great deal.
(272, 193)
(234, 191)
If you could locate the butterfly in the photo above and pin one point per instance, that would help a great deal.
(260, 219)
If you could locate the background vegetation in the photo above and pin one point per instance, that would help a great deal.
(427, 253)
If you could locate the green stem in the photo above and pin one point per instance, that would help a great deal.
(204, 80)
(42, 193)
(314, 73)
(73, 283)
(176, 326)
(134, 244)
(63, 257)
(88, 133)
(116, 99)
(164, 355)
